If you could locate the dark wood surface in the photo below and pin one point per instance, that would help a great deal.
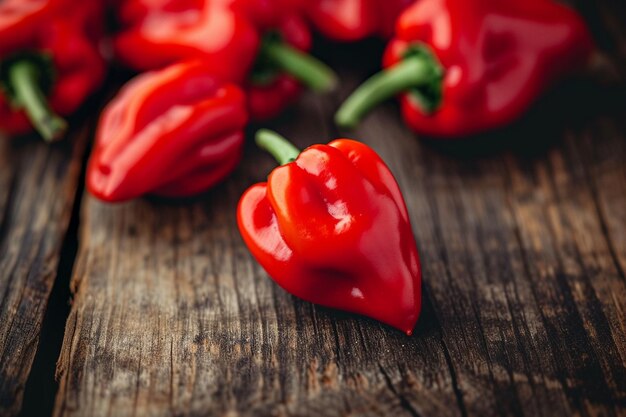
(522, 237)
(38, 185)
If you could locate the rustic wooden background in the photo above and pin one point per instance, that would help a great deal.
(522, 236)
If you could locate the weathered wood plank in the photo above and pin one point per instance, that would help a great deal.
(37, 189)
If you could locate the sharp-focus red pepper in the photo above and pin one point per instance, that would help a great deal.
(225, 33)
(352, 20)
(465, 67)
(173, 132)
(50, 62)
(331, 227)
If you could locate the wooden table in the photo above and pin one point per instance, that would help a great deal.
(522, 237)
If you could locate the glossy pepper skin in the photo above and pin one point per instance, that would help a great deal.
(161, 32)
(332, 228)
(353, 20)
(174, 132)
(57, 43)
(496, 58)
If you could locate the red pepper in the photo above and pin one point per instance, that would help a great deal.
(352, 20)
(465, 67)
(50, 62)
(265, 14)
(162, 32)
(268, 101)
(270, 86)
(331, 227)
(283, 66)
(271, 67)
(173, 132)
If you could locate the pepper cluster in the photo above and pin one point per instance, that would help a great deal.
(49, 62)
(459, 67)
(199, 53)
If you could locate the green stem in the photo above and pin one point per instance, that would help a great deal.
(412, 72)
(279, 147)
(24, 78)
(305, 68)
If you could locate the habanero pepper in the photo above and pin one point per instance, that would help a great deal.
(463, 68)
(157, 33)
(49, 62)
(271, 67)
(330, 226)
(283, 63)
(173, 132)
(353, 20)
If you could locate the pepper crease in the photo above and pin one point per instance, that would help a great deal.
(173, 132)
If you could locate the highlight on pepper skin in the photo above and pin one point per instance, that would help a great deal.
(160, 118)
(462, 68)
(330, 226)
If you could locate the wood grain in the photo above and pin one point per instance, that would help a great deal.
(37, 190)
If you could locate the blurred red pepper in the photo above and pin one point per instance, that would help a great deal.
(265, 14)
(227, 34)
(173, 132)
(161, 32)
(465, 67)
(331, 227)
(282, 66)
(272, 84)
(352, 20)
(50, 62)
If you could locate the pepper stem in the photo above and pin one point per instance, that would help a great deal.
(412, 72)
(24, 78)
(278, 146)
(304, 67)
